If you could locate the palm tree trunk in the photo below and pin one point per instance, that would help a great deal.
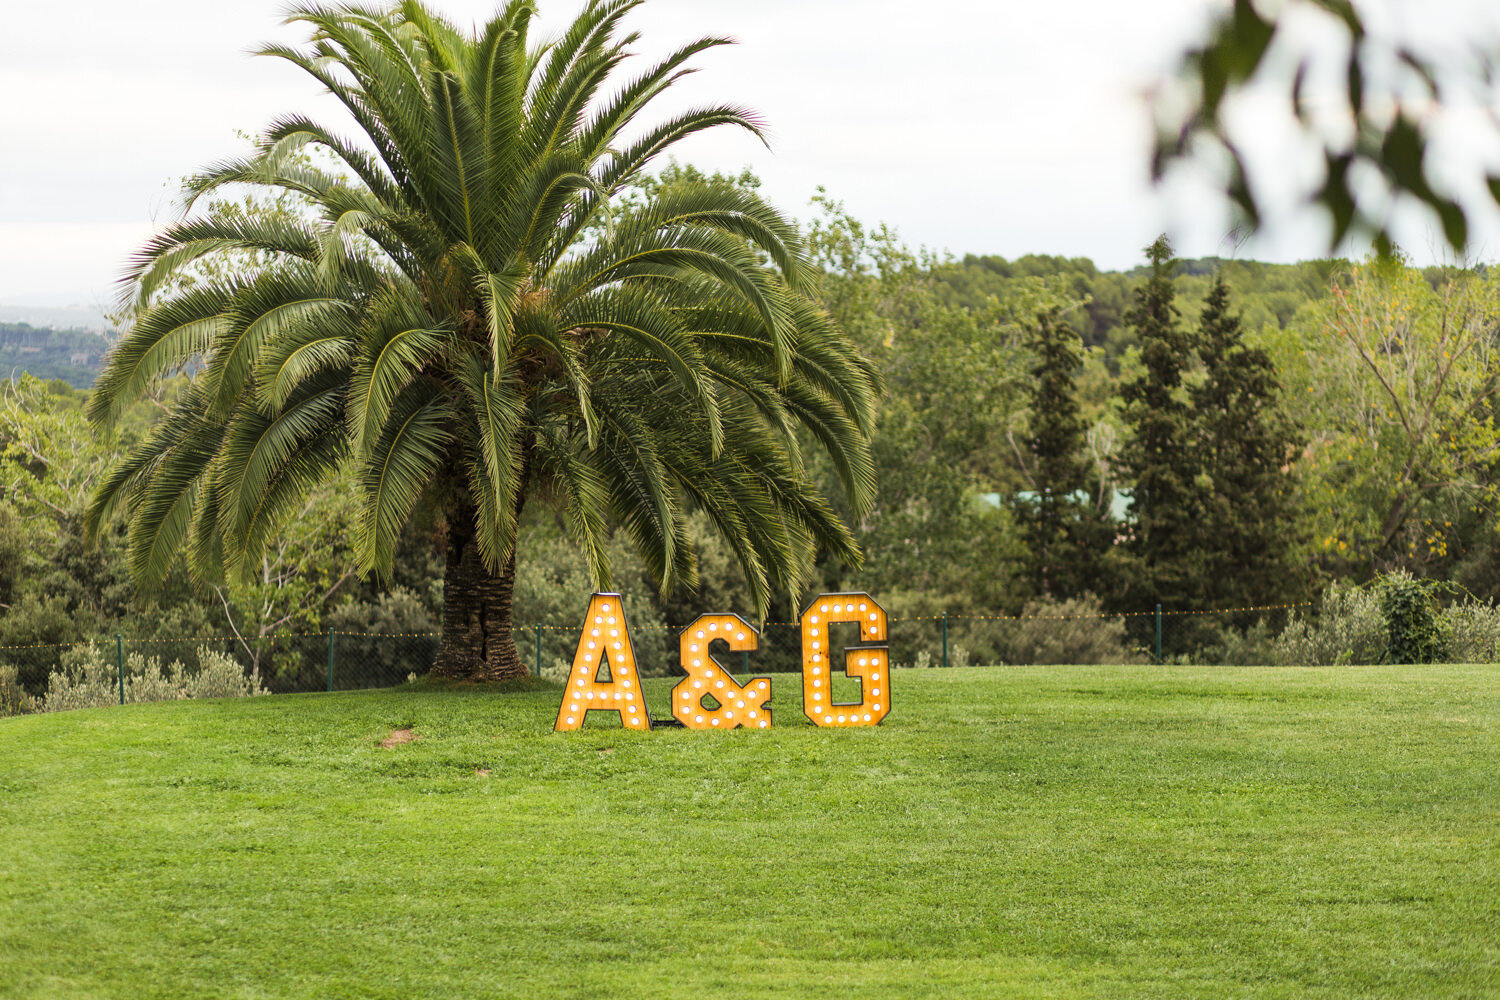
(478, 641)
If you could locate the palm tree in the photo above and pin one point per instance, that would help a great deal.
(460, 315)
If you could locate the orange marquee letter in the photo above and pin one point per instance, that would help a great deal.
(869, 664)
(738, 706)
(604, 644)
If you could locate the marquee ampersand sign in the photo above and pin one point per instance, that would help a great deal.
(868, 662)
(604, 644)
(737, 706)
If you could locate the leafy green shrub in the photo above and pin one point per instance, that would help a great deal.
(1408, 610)
(1230, 646)
(1471, 632)
(89, 678)
(1071, 631)
(388, 638)
(13, 697)
(552, 590)
(1348, 628)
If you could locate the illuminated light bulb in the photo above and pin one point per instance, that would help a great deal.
(598, 620)
(841, 718)
(817, 658)
(715, 722)
(877, 706)
(862, 661)
(587, 657)
(604, 607)
(867, 716)
(740, 637)
(741, 704)
(618, 696)
(764, 723)
(591, 645)
(697, 663)
(762, 684)
(632, 709)
(590, 696)
(618, 646)
(693, 648)
(874, 677)
(697, 684)
(720, 684)
(815, 621)
(824, 609)
(627, 684)
(861, 607)
(686, 696)
(817, 684)
(713, 626)
(612, 620)
(581, 670)
(614, 632)
(817, 645)
(701, 633)
(728, 715)
(699, 720)
(876, 692)
(631, 697)
(595, 632)
(752, 713)
(570, 720)
(874, 629)
(827, 718)
(814, 632)
(578, 683)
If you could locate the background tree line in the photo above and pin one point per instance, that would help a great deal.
(1205, 434)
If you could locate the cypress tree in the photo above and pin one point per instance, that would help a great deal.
(1159, 457)
(1060, 521)
(1248, 444)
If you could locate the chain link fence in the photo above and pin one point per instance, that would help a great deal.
(342, 661)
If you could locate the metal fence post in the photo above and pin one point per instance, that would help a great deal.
(1158, 633)
(330, 661)
(945, 638)
(539, 653)
(120, 663)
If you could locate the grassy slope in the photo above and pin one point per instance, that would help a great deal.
(1110, 832)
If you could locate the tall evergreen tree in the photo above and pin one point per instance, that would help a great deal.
(1248, 444)
(1064, 523)
(1159, 457)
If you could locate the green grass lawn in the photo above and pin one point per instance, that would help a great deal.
(1047, 832)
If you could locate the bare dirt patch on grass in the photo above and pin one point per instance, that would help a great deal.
(397, 737)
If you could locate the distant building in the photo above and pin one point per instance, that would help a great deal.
(1119, 501)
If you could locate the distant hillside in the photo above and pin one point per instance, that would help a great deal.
(74, 356)
(64, 314)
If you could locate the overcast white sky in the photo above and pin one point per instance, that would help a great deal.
(976, 127)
